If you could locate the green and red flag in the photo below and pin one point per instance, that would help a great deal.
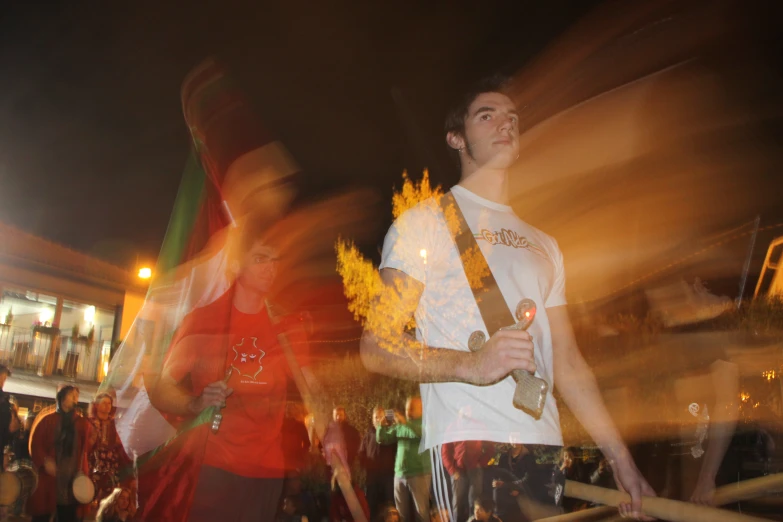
(235, 168)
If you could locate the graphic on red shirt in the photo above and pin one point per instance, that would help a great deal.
(217, 338)
(247, 360)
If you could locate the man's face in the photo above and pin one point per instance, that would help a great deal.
(491, 132)
(70, 400)
(3, 377)
(479, 513)
(259, 267)
(288, 506)
(413, 408)
(338, 415)
(378, 416)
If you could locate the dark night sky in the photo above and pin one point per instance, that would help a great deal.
(92, 140)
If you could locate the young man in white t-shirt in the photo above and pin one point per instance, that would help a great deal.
(468, 395)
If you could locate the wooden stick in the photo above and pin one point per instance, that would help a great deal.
(585, 514)
(748, 489)
(666, 509)
(304, 390)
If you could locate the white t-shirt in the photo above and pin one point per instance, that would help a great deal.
(526, 263)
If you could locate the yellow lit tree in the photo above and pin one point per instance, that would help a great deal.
(361, 280)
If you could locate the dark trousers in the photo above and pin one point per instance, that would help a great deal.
(380, 490)
(221, 495)
(538, 482)
(465, 490)
(64, 514)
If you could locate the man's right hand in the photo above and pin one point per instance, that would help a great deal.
(505, 351)
(214, 394)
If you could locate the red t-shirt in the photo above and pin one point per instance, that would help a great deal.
(219, 338)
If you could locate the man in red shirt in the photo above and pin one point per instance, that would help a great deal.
(227, 355)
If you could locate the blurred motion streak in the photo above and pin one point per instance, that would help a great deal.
(644, 133)
(238, 186)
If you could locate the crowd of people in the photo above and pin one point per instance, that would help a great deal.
(54, 451)
(485, 478)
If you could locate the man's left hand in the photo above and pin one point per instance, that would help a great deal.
(630, 480)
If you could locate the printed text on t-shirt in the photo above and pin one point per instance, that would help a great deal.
(510, 238)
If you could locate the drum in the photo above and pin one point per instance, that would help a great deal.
(83, 489)
(28, 480)
(10, 488)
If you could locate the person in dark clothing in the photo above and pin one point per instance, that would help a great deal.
(58, 445)
(341, 438)
(602, 475)
(291, 511)
(296, 441)
(531, 470)
(508, 479)
(306, 502)
(9, 421)
(378, 463)
(483, 510)
(20, 444)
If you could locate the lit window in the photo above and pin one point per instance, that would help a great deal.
(89, 314)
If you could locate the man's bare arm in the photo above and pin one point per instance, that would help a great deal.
(386, 348)
(578, 387)
(168, 396)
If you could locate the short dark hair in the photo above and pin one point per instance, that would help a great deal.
(486, 503)
(455, 117)
(5, 370)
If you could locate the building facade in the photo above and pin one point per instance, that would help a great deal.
(62, 312)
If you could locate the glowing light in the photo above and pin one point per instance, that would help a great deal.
(45, 316)
(89, 314)
(744, 396)
(423, 254)
(769, 375)
(145, 273)
(106, 367)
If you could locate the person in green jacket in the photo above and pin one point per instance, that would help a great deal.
(412, 472)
